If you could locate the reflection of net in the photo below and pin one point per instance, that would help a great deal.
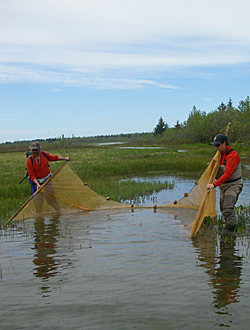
(65, 192)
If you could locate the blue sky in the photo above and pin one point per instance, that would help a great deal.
(97, 67)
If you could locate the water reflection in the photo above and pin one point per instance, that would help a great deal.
(224, 266)
(227, 277)
(45, 238)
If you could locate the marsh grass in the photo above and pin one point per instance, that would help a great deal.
(243, 216)
(214, 227)
(103, 169)
(131, 162)
(141, 189)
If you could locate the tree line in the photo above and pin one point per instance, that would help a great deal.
(202, 127)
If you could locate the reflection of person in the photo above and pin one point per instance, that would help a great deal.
(224, 269)
(38, 171)
(228, 180)
(226, 279)
(45, 247)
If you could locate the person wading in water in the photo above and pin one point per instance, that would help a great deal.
(228, 179)
(38, 171)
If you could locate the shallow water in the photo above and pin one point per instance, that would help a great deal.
(181, 186)
(123, 270)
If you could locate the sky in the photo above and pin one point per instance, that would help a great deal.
(103, 67)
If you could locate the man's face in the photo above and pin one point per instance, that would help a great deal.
(222, 147)
(35, 152)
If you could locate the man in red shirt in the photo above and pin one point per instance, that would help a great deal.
(228, 179)
(38, 171)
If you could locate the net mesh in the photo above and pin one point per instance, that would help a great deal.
(63, 193)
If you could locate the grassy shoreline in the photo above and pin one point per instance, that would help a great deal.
(104, 167)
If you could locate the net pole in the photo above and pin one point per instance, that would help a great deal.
(32, 196)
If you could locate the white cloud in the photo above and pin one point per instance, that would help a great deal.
(74, 22)
(117, 43)
(19, 74)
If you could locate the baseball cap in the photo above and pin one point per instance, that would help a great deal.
(220, 138)
(35, 145)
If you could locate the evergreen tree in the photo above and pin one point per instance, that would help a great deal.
(177, 125)
(241, 123)
(160, 127)
(229, 103)
(222, 107)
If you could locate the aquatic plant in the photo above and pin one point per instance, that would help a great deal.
(216, 226)
(135, 191)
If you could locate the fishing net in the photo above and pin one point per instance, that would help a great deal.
(65, 192)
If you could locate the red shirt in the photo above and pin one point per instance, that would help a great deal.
(232, 160)
(37, 171)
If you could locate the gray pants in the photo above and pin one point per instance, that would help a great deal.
(229, 193)
(48, 195)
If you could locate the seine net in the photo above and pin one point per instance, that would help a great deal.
(65, 192)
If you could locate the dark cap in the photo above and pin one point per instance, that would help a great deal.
(220, 138)
(35, 145)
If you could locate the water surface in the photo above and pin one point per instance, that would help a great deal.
(123, 270)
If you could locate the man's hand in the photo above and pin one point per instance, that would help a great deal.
(210, 186)
(38, 186)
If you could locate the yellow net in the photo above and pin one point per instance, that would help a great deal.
(65, 192)
(208, 202)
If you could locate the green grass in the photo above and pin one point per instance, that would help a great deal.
(130, 162)
(136, 191)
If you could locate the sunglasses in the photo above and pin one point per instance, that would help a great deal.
(34, 149)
